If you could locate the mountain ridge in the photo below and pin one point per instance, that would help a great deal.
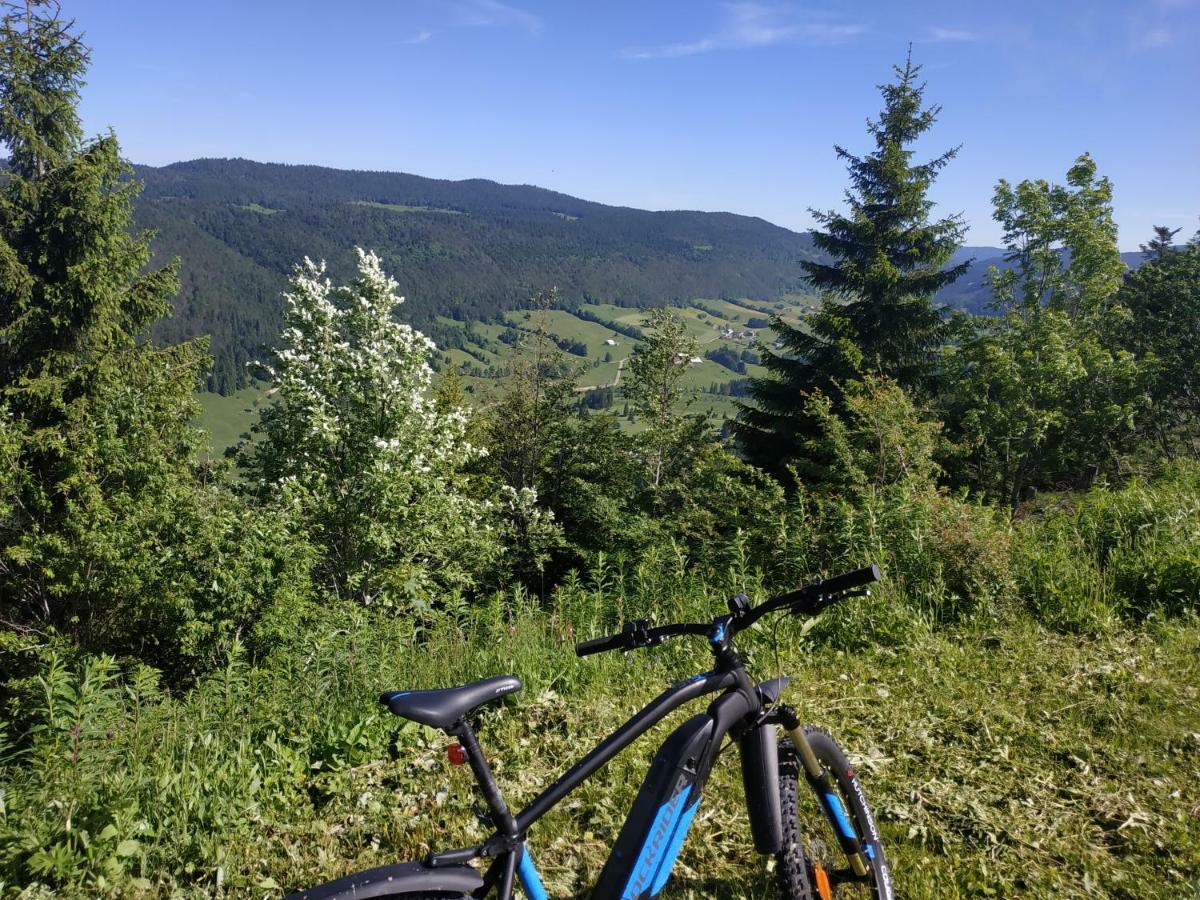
(470, 249)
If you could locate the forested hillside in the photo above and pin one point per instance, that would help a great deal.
(465, 249)
(469, 250)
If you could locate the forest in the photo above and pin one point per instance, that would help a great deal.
(469, 250)
(192, 645)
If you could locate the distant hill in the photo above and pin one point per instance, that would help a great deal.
(469, 250)
(465, 249)
(971, 293)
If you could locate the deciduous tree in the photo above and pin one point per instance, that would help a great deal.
(1045, 394)
(655, 388)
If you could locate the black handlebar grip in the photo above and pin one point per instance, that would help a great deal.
(848, 580)
(599, 645)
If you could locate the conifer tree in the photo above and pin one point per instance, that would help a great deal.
(105, 502)
(1162, 244)
(887, 259)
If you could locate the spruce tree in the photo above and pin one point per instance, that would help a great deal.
(1161, 245)
(887, 259)
(105, 501)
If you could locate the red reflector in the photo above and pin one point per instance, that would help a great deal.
(457, 754)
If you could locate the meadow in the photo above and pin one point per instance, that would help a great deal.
(483, 359)
(1043, 744)
(1006, 761)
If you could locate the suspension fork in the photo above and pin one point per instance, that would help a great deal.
(825, 786)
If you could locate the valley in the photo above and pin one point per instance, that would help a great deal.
(597, 340)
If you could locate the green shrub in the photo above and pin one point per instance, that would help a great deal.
(943, 559)
(1159, 577)
(1129, 551)
(1059, 582)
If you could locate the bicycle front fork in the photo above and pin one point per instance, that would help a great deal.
(823, 783)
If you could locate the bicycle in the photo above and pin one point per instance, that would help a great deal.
(653, 834)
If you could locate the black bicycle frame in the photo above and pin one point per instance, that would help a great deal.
(653, 833)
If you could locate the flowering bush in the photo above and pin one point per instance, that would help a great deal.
(362, 458)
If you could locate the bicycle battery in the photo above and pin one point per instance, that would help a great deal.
(653, 834)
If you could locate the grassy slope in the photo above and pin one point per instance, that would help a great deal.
(1002, 761)
(226, 418)
(1011, 762)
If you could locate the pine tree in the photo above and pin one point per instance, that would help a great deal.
(877, 316)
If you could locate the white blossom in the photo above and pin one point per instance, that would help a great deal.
(358, 441)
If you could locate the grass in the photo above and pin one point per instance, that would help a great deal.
(1002, 761)
(568, 326)
(404, 208)
(226, 419)
(1006, 763)
(260, 209)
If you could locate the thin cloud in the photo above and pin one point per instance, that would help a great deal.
(1153, 39)
(419, 38)
(752, 25)
(944, 35)
(494, 14)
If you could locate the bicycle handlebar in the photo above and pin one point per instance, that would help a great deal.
(638, 633)
(601, 645)
(850, 580)
(807, 600)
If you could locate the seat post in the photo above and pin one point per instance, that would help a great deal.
(483, 775)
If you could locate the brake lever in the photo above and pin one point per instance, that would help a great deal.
(639, 633)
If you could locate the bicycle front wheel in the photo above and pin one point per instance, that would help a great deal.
(812, 865)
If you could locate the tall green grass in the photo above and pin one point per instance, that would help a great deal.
(1021, 698)
(1084, 562)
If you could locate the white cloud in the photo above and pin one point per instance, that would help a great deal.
(419, 38)
(494, 14)
(749, 24)
(939, 35)
(1153, 39)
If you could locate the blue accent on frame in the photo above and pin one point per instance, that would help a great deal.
(668, 863)
(530, 880)
(699, 677)
(870, 849)
(663, 841)
(718, 634)
(839, 813)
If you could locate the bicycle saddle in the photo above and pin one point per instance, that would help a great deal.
(441, 709)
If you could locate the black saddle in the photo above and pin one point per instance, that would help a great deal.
(442, 709)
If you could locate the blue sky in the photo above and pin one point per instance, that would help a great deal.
(663, 105)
